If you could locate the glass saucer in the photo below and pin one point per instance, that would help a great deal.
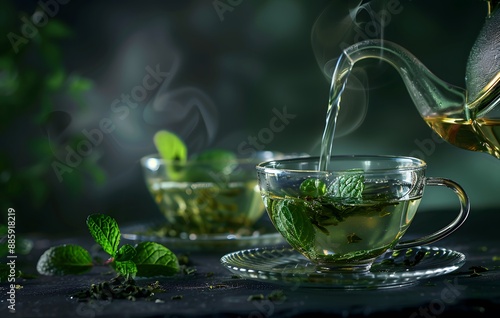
(393, 269)
(263, 235)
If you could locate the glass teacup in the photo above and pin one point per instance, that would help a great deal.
(344, 218)
(200, 198)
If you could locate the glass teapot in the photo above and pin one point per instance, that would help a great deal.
(468, 118)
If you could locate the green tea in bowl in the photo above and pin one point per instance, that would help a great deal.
(344, 218)
(196, 198)
(209, 193)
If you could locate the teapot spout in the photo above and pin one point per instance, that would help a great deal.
(432, 96)
(441, 105)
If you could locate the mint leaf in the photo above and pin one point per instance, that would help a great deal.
(154, 259)
(125, 253)
(313, 187)
(173, 150)
(170, 147)
(64, 260)
(105, 232)
(211, 165)
(128, 269)
(291, 220)
(348, 186)
(219, 160)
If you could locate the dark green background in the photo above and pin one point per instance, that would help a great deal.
(257, 58)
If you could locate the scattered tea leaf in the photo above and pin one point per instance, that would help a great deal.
(177, 297)
(218, 286)
(277, 295)
(255, 297)
(478, 269)
(417, 259)
(155, 287)
(183, 259)
(353, 238)
(117, 288)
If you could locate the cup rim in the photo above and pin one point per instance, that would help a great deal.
(239, 160)
(419, 164)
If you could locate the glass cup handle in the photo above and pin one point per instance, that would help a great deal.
(450, 228)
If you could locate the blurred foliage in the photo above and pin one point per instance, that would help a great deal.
(32, 74)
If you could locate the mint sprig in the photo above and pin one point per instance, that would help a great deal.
(145, 259)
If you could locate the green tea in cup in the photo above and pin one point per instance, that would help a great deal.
(344, 218)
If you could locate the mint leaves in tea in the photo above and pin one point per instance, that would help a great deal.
(207, 207)
(346, 220)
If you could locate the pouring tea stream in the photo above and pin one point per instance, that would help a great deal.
(467, 118)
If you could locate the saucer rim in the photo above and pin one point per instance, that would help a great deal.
(396, 278)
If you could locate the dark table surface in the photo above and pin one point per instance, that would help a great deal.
(212, 290)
